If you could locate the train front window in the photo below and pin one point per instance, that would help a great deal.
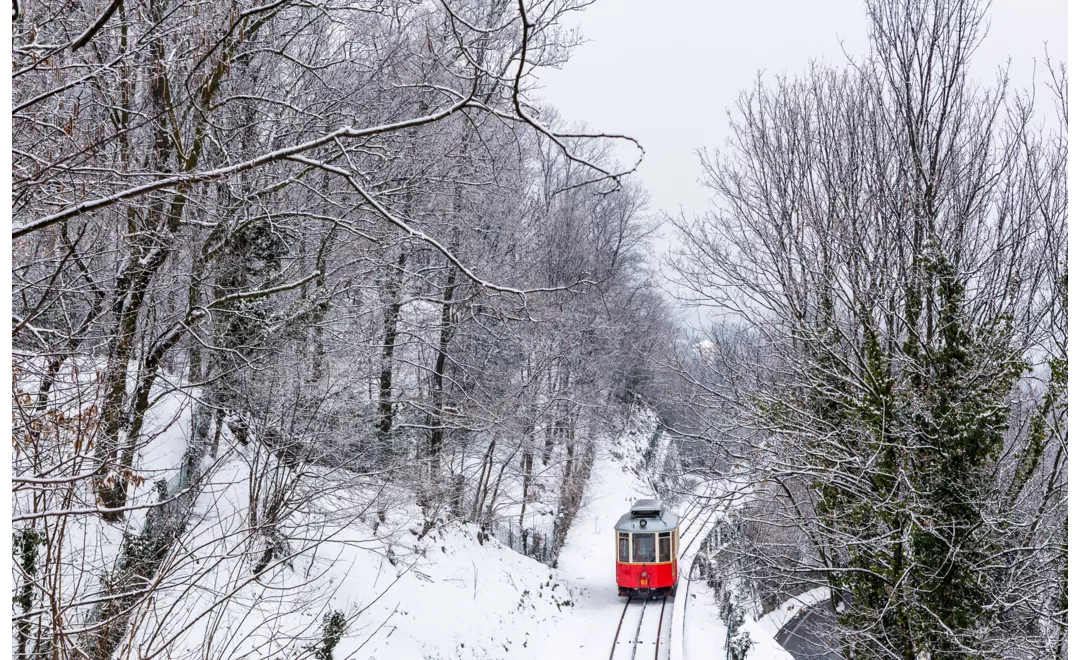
(665, 546)
(624, 547)
(644, 548)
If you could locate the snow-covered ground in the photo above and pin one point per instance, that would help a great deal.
(407, 595)
(587, 561)
(773, 621)
(704, 632)
(461, 600)
(410, 596)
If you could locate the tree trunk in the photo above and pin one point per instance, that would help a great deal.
(446, 331)
(386, 376)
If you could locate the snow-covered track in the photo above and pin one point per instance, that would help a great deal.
(615, 642)
(698, 517)
(659, 629)
(637, 633)
(626, 645)
(701, 504)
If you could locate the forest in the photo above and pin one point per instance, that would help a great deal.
(282, 269)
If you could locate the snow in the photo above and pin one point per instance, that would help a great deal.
(773, 621)
(440, 595)
(705, 632)
(587, 560)
(764, 646)
(464, 600)
(695, 635)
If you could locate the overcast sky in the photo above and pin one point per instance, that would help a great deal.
(665, 72)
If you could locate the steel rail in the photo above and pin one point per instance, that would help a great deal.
(619, 628)
(659, 629)
(637, 633)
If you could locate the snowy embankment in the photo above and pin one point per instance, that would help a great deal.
(441, 596)
(354, 547)
(698, 630)
(706, 631)
(274, 557)
(696, 624)
(455, 599)
(773, 621)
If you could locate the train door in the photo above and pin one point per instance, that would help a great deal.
(664, 551)
(664, 547)
(675, 555)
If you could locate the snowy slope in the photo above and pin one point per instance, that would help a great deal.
(354, 545)
(438, 596)
(459, 600)
(357, 547)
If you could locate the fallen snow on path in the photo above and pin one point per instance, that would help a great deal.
(764, 646)
(696, 635)
(705, 631)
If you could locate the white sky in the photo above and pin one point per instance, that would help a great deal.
(666, 71)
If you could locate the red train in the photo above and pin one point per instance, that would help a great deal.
(647, 550)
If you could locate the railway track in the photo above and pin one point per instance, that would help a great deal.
(645, 638)
(628, 646)
(690, 518)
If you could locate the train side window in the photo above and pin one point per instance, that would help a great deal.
(644, 548)
(624, 547)
(665, 546)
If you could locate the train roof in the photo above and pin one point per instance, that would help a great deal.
(652, 513)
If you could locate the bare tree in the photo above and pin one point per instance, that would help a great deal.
(889, 250)
(294, 248)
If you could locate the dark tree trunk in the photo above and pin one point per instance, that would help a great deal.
(446, 331)
(386, 376)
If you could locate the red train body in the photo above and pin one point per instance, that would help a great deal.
(647, 576)
(646, 551)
